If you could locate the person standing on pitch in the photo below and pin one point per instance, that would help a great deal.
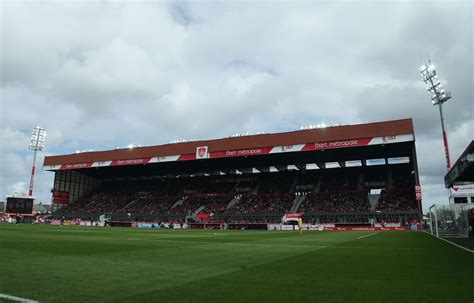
(300, 225)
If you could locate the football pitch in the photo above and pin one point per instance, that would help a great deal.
(80, 264)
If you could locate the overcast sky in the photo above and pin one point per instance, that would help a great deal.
(103, 74)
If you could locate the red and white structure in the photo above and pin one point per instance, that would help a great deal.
(438, 97)
(79, 173)
(341, 137)
(288, 217)
(36, 144)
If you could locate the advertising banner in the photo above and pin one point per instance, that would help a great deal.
(60, 197)
(364, 228)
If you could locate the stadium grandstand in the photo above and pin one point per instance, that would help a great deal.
(347, 175)
(462, 172)
(460, 179)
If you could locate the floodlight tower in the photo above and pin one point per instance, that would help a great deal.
(438, 97)
(36, 144)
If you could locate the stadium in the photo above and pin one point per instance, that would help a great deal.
(326, 214)
(350, 176)
(362, 204)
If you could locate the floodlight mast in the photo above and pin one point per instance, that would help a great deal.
(36, 144)
(438, 97)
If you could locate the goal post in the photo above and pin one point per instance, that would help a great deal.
(450, 221)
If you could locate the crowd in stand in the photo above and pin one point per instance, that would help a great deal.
(210, 203)
(266, 193)
(263, 203)
(396, 200)
(187, 206)
(108, 202)
(151, 204)
(215, 205)
(336, 202)
(78, 206)
(104, 202)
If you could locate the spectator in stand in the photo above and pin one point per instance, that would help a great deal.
(338, 191)
(397, 200)
(336, 202)
(263, 203)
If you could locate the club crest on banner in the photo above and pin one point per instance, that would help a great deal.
(202, 152)
(292, 217)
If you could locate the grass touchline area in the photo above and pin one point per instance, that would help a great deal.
(453, 243)
(80, 264)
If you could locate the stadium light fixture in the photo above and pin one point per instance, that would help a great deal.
(438, 96)
(38, 137)
(320, 125)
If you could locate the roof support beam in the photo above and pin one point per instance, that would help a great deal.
(281, 167)
(216, 173)
(263, 169)
(301, 167)
(231, 172)
(246, 170)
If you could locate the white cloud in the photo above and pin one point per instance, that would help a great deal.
(18, 188)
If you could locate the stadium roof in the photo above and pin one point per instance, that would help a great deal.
(379, 133)
(462, 172)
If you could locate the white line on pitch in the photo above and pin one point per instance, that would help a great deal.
(462, 247)
(18, 299)
(366, 236)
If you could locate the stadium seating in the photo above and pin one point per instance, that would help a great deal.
(263, 197)
(210, 204)
(336, 202)
(263, 203)
(396, 200)
(151, 204)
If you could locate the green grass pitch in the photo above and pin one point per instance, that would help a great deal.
(80, 264)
